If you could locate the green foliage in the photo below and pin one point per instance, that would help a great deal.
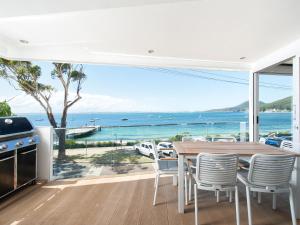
(5, 109)
(282, 104)
(177, 137)
(72, 144)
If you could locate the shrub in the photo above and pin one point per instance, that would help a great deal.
(177, 137)
(5, 109)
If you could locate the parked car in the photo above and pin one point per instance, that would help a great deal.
(145, 148)
(276, 141)
(166, 148)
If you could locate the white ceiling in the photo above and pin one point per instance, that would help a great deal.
(199, 33)
(15, 8)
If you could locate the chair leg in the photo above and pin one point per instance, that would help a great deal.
(254, 194)
(156, 187)
(190, 187)
(218, 196)
(185, 190)
(258, 197)
(274, 202)
(249, 206)
(196, 203)
(237, 205)
(292, 207)
(155, 180)
(230, 196)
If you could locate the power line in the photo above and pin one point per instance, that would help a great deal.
(238, 78)
(180, 73)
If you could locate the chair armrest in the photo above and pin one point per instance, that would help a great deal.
(174, 159)
(167, 149)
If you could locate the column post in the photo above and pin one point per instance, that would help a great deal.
(45, 153)
(296, 132)
(253, 107)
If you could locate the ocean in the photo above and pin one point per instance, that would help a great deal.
(139, 126)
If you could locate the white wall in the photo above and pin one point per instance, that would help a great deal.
(45, 153)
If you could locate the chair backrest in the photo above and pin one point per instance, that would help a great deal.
(271, 170)
(155, 151)
(286, 145)
(190, 138)
(163, 165)
(224, 139)
(262, 140)
(217, 169)
(186, 138)
(200, 138)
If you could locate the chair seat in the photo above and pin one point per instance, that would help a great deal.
(243, 177)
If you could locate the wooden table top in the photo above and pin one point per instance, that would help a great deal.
(240, 148)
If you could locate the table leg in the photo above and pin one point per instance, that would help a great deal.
(175, 181)
(181, 183)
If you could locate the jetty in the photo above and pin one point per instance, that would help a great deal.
(81, 131)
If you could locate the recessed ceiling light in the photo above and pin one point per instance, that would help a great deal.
(243, 57)
(150, 51)
(24, 41)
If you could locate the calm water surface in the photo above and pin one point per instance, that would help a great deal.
(195, 123)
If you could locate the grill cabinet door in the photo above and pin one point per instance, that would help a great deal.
(26, 169)
(7, 161)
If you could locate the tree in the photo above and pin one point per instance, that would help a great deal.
(5, 109)
(25, 76)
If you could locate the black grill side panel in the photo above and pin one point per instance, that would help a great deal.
(26, 165)
(7, 161)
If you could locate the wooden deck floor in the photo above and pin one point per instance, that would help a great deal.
(126, 201)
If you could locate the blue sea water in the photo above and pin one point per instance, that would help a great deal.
(194, 123)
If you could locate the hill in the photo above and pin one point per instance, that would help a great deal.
(284, 104)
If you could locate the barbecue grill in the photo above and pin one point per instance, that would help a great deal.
(18, 154)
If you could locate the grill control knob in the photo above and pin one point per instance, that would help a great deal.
(3, 147)
(19, 143)
(31, 141)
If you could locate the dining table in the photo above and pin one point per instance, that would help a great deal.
(189, 150)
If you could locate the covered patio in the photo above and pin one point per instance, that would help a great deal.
(260, 37)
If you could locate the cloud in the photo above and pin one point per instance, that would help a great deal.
(89, 103)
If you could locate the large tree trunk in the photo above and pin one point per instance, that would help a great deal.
(61, 134)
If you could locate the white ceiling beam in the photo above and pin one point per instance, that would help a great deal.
(277, 57)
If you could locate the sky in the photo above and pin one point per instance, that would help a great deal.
(131, 89)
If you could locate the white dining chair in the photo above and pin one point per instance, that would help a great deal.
(269, 174)
(224, 139)
(166, 166)
(216, 172)
(262, 140)
(191, 164)
(286, 145)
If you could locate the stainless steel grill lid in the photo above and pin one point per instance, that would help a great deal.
(16, 132)
(14, 127)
